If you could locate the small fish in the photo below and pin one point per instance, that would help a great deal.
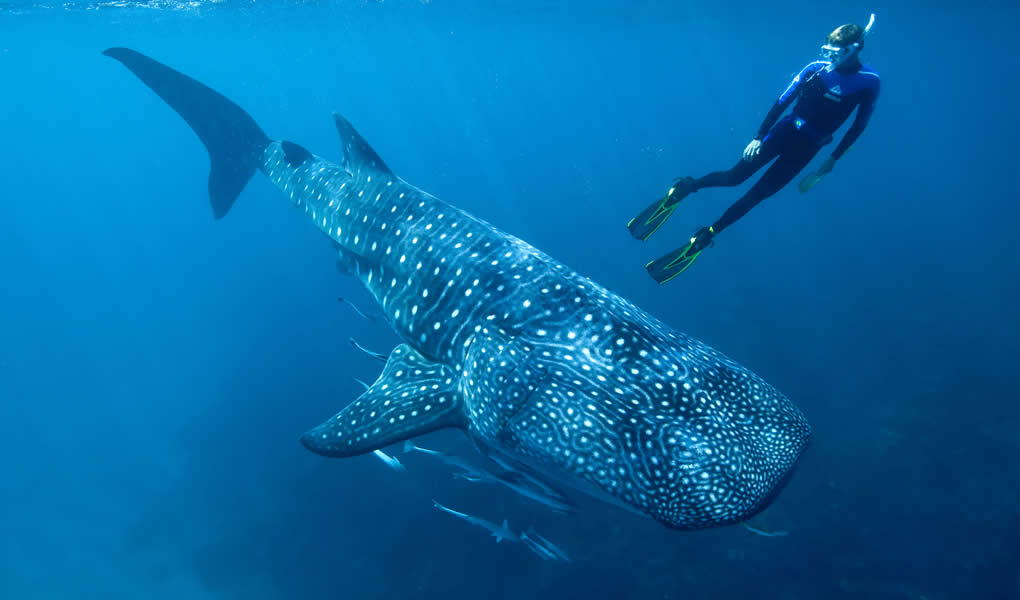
(375, 355)
(453, 461)
(518, 484)
(754, 530)
(523, 474)
(390, 461)
(468, 477)
(513, 480)
(500, 532)
(363, 384)
(369, 317)
(543, 547)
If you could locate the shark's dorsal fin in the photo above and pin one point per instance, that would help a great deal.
(358, 155)
(413, 396)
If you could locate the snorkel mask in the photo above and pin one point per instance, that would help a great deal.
(838, 55)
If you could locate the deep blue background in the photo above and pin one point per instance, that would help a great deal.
(157, 367)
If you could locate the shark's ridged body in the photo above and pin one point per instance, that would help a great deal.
(542, 367)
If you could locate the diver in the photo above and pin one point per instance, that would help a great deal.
(827, 91)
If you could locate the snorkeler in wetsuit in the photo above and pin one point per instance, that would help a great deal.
(827, 91)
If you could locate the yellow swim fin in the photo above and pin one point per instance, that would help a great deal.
(652, 218)
(808, 182)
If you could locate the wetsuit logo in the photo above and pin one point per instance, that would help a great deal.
(834, 93)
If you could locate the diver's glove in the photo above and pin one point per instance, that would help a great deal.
(752, 150)
(826, 166)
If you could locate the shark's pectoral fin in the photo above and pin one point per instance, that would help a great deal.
(358, 154)
(413, 396)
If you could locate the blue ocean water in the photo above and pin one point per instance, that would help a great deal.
(157, 366)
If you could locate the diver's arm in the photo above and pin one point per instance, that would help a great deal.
(785, 99)
(753, 148)
(770, 119)
(864, 111)
(860, 122)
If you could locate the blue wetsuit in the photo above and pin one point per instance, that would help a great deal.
(825, 99)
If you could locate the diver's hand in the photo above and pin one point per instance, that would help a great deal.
(827, 166)
(752, 150)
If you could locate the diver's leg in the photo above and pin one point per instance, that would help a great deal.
(793, 157)
(730, 177)
(778, 175)
(655, 214)
(648, 221)
(742, 171)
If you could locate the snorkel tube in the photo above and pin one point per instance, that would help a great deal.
(838, 56)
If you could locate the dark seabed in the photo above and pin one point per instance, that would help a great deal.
(157, 367)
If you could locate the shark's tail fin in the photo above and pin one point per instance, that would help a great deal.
(234, 140)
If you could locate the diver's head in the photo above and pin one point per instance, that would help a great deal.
(844, 35)
(843, 46)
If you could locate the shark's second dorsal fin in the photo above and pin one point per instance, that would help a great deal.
(358, 155)
(413, 396)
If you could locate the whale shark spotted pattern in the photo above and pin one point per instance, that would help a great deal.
(544, 369)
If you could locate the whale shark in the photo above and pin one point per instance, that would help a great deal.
(543, 369)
